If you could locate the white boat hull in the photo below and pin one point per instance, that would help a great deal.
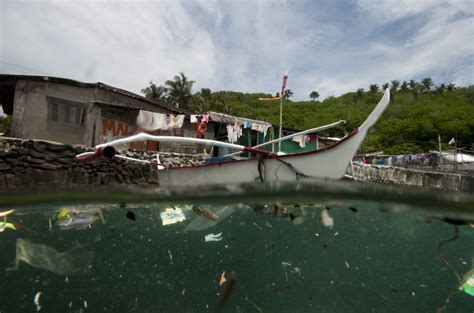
(329, 163)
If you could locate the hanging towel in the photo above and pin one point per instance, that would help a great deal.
(150, 121)
(205, 118)
(193, 118)
(176, 121)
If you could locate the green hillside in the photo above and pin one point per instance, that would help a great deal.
(410, 124)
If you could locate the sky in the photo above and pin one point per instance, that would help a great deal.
(328, 46)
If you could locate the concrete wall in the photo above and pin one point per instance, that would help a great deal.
(30, 112)
(412, 177)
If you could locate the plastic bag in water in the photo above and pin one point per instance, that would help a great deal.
(49, 259)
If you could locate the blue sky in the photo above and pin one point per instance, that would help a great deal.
(332, 47)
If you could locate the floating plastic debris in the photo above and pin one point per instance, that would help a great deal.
(296, 270)
(468, 282)
(328, 221)
(5, 225)
(131, 216)
(468, 286)
(285, 265)
(212, 237)
(201, 223)
(36, 301)
(76, 219)
(206, 213)
(5, 213)
(223, 279)
(47, 258)
(172, 216)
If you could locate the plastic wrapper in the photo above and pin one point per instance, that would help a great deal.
(76, 219)
(172, 216)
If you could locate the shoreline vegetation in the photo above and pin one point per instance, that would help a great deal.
(417, 114)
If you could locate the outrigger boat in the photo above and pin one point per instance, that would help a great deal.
(330, 162)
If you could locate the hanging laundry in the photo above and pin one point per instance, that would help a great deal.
(234, 132)
(312, 138)
(201, 129)
(150, 121)
(205, 118)
(176, 121)
(193, 118)
(300, 140)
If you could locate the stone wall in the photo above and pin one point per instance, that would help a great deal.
(36, 163)
(412, 177)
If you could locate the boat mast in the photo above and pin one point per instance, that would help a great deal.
(285, 78)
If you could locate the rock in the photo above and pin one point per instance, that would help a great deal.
(4, 166)
(40, 146)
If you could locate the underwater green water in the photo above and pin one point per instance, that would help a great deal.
(382, 253)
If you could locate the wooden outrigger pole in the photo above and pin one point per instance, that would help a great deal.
(285, 78)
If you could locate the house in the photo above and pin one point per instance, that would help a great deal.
(72, 112)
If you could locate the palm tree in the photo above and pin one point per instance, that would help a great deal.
(374, 88)
(404, 86)
(360, 93)
(451, 87)
(412, 84)
(314, 95)
(427, 83)
(441, 89)
(395, 84)
(203, 100)
(288, 94)
(418, 89)
(384, 86)
(179, 90)
(154, 92)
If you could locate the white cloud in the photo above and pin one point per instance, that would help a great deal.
(240, 45)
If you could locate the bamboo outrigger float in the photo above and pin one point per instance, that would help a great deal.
(330, 162)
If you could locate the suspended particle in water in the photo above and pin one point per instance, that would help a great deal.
(131, 216)
(353, 209)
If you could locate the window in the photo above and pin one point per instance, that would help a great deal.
(65, 111)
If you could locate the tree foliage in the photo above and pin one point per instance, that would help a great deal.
(410, 124)
(5, 124)
(314, 95)
(154, 92)
(180, 91)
